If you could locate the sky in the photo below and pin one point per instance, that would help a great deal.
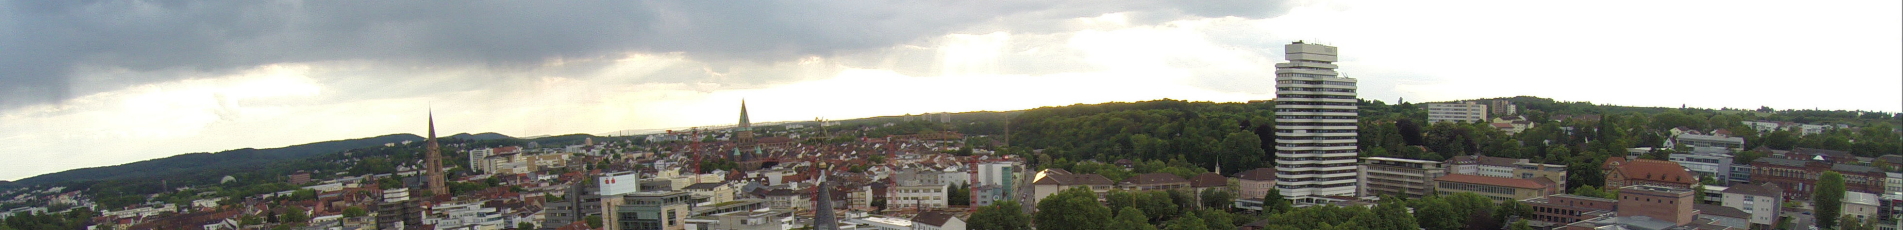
(96, 83)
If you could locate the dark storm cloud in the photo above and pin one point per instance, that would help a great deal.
(43, 43)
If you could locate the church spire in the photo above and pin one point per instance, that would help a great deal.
(744, 122)
(435, 160)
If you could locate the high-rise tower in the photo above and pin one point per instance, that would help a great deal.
(1315, 118)
(435, 161)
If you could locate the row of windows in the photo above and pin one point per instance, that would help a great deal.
(1320, 130)
(1314, 96)
(1315, 117)
(1314, 145)
(1316, 158)
(1314, 123)
(1314, 151)
(1315, 138)
(1310, 186)
(1313, 103)
(1477, 188)
(1315, 111)
(1307, 89)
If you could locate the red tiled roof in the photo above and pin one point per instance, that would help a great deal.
(1653, 170)
(1155, 178)
(1207, 180)
(1075, 179)
(1486, 180)
(1258, 174)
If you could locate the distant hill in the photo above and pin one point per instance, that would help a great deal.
(194, 162)
(480, 136)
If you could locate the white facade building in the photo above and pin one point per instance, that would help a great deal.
(1763, 202)
(1315, 124)
(1715, 165)
(907, 196)
(1893, 183)
(1469, 112)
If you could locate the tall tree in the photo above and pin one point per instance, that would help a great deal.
(1410, 131)
(960, 194)
(1391, 215)
(1130, 218)
(1585, 172)
(1217, 199)
(1275, 203)
(1073, 209)
(1437, 214)
(1828, 199)
(1187, 222)
(1003, 215)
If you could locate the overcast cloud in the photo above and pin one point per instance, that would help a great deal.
(48, 41)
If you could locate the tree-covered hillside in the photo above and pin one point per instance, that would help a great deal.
(246, 158)
(1199, 133)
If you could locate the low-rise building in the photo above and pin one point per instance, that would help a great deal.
(938, 221)
(1705, 164)
(1407, 178)
(1762, 201)
(1799, 177)
(1505, 167)
(1704, 143)
(1255, 183)
(771, 219)
(1621, 173)
(1154, 182)
(1052, 181)
(910, 196)
(1469, 112)
(714, 192)
(1863, 206)
(647, 211)
(1497, 188)
(1671, 204)
(1568, 208)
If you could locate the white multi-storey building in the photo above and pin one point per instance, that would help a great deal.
(1315, 117)
(1469, 112)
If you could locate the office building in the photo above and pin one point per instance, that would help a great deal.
(647, 211)
(1716, 166)
(1408, 178)
(1315, 125)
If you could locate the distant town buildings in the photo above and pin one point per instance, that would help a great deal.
(1315, 124)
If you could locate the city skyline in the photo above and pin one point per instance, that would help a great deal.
(272, 82)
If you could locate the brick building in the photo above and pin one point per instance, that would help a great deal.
(1799, 177)
(1621, 172)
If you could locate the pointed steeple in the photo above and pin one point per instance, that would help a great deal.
(744, 122)
(434, 161)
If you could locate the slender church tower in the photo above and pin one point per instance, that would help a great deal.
(435, 161)
(743, 139)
